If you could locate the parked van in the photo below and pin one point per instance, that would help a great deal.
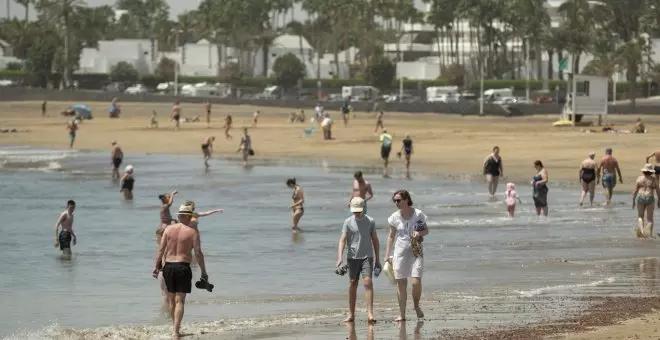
(442, 94)
(360, 92)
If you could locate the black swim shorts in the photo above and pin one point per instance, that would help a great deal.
(116, 162)
(177, 277)
(385, 152)
(65, 239)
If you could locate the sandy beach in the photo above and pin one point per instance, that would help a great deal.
(445, 145)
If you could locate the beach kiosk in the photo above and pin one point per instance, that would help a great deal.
(591, 100)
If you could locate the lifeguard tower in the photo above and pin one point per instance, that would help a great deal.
(591, 100)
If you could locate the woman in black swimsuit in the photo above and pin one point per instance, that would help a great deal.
(493, 170)
(408, 150)
(298, 198)
(588, 178)
(127, 182)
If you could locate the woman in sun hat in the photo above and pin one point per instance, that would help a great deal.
(126, 183)
(644, 197)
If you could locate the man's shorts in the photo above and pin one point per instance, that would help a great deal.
(177, 277)
(116, 162)
(65, 239)
(609, 180)
(360, 266)
(407, 265)
(385, 151)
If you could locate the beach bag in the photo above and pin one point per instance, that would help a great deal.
(389, 272)
(250, 152)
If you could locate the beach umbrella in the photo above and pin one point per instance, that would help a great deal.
(83, 111)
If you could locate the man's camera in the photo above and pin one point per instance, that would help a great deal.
(204, 284)
(341, 271)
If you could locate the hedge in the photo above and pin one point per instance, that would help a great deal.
(97, 81)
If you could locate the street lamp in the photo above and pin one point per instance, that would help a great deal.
(481, 86)
(176, 61)
(527, 68)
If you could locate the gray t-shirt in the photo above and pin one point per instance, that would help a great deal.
(358, 236)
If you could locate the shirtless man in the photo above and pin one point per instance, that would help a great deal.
(255, 118)
(379, 121)
(587, 178)
(64, 237)
(207, 149)
(656, 156)
(610, 169)
(176, 114)
(72, 126)
(176, 246)
(207, 106)
(360, 189)
(116, 157)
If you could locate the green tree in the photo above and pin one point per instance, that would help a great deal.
(14, 66)
(380, 73)
(165, 68)
(40, 56)
(288, 70)
(124, 71)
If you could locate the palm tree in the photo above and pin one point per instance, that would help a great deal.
(26, 4)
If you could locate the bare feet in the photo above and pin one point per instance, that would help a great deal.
(371, 320)
(349, 319)
(419, 312)
(399, 319)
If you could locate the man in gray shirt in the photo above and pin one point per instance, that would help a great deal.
(363, 247)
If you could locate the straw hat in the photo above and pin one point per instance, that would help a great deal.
(648, 168)
(185, 210)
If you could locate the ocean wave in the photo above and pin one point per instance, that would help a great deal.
(543, 290)
(28, 159)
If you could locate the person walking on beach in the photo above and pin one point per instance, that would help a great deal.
(255, 118)
(609, 167)
(207, 149)
(116, 157)
(326, 126)
(511, 198)
(176, 115)
(408, 150)
(361, 188)
(227, 127)
(298, 198)
(587, 178)
(43, 108)
(346, 109)
(493, 170)
(207, 106)
(318, 111)
(127, 182)
(379, 121)
(72, 126)
(656, 157)
(66, 236)
(245, 146)
(177, 246)
(644, 198)
(359, 233)
(540, 189)
(407, 228)
(385, 149)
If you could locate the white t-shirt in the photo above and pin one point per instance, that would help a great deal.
(326, 122)
(319, 110)
(404, 229)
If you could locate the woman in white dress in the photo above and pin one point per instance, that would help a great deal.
(407, 227)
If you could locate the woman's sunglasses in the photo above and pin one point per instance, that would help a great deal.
(397, 200)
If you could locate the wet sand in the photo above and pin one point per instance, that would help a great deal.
(445, 145)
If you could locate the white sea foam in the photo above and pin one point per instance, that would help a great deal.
(543, 290)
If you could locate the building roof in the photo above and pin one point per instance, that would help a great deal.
(291, 41)
(4, 44)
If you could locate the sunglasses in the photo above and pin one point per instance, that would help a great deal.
(398, 200)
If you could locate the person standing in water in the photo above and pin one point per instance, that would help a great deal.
(166, 219)
(116, 157)
(493, 170)
(656, 157)
(379, 121)
(359, 233)
(407, 227)
(176, 248)
(72, 126)
(385, 149)
(245, 146)
(66, 236)
(176, 115)
(197, 215)
(207, 106)
(408, 150)
(644, 198)
(127, 182)
(361, 188)
(587, 177)
(511, 198)
(609, 168)
(207, 149)
(297, 208)
(540, 189)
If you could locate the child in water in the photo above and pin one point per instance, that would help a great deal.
(511, 198)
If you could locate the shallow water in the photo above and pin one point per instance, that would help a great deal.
(481, 266)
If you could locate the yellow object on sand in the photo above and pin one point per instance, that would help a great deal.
(563, 122)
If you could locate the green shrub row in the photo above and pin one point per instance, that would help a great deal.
(97, 81)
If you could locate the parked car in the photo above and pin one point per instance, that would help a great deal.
(136, 89)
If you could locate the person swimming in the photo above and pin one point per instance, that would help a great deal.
(127, 182)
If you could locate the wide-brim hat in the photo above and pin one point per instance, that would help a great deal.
(186, 210)
(648, 168)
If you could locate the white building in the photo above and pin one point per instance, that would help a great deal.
(137, 52)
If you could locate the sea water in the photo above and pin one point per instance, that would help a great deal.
(480, 265)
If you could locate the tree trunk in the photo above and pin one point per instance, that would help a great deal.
(560, 56)
(219, 52)
(27, 11)
(538, 59)
(265, 49)
(551, 69)
(66, 76)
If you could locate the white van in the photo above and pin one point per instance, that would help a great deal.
(442, 94)
(359, 92)
(498, 95)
